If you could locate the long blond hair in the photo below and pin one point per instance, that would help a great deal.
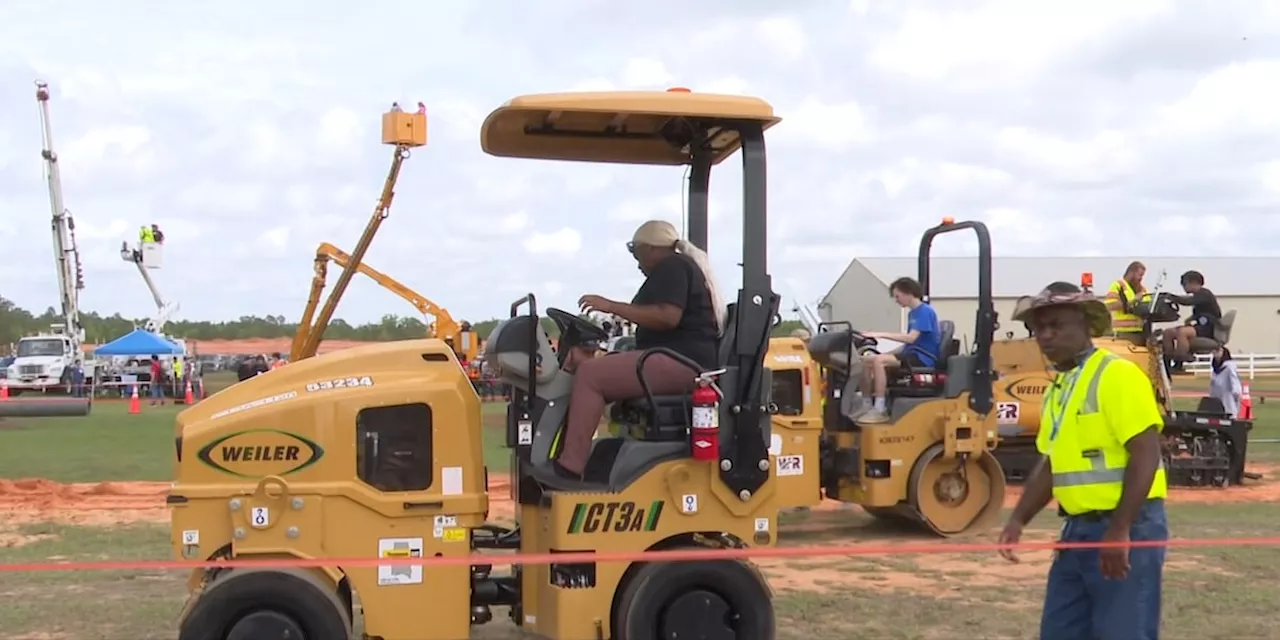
(660, 233)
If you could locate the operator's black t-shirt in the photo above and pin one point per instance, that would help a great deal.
(1204, 304)
(677, 280)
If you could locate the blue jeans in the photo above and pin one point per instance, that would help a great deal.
(1080, 604)
(157, 389)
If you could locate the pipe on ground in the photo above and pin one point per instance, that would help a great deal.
(45, 408)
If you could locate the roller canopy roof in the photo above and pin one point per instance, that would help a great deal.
(635, 127)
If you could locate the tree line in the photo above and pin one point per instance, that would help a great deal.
(16, 322)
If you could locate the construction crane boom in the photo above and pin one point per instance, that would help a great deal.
(164, 310)
(404, 131)
(444, 327)
(66, 253)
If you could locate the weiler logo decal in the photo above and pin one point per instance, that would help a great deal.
(614, 516)
(261, 452)
(1028, 389)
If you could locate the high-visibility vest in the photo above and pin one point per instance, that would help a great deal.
(177, 368)
(1121, 321)
(1087, 458)
(276, 364)
(147, 235)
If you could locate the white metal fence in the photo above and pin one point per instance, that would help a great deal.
(1251, 365)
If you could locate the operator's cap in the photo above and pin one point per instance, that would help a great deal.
(1064, 293)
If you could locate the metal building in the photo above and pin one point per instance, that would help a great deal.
(860, 295)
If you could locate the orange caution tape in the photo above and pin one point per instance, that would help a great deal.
(682, 555)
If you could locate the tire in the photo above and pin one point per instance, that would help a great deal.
(292, 595)
(653, 588)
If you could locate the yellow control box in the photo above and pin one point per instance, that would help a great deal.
(400, 127)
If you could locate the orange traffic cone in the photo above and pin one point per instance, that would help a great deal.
(4, 389)
(188, 398)
(1246, 404)
(134, 405)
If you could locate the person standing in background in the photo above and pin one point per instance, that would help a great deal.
(1224, 382)
(157, 381)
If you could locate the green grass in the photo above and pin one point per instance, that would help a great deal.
(112, 445)
(108, 444)
(1209, 593)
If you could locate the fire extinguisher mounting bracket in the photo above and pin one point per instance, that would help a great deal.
(709, 378)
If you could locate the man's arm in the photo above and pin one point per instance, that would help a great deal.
(905, 338)
(922, 316)
(1144, 459)
(1191, 298)
(1113, 300)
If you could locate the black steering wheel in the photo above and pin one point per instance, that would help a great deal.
(575, 331)
(863, 344)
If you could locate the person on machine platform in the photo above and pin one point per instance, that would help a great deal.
(1205, 315)
(921, 347)
(677, 307)
(1122, 298)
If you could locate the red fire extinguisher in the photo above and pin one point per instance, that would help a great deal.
(705, 434)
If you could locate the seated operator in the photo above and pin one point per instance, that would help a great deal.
(922, 346)
(677, 307)
(1205, 315)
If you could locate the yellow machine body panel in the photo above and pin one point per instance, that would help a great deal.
(797, 425)
(678, 503)
(1025, 377)
(367, 452)
(632, 127)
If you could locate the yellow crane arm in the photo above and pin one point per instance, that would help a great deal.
(444, 326)
(307, 339)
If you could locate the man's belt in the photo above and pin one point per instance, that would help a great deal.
(1093, 516)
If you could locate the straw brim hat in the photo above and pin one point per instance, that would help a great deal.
(1094, 309)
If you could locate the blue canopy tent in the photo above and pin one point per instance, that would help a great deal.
(139, 342)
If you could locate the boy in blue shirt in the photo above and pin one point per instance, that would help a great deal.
(921, 347)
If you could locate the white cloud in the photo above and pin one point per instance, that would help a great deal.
(646, 73)
(514, 223)
(564, 243)
(785, 36)
(1004, 40)
(1239, 98)
(825, 125)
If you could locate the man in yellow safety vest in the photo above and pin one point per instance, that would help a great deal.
(1122, 298)
(1100, 438)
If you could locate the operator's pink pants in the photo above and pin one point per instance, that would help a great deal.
(599, 381)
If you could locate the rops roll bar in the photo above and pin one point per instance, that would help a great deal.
(982, 394)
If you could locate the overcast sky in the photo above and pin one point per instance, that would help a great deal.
(249, 133)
